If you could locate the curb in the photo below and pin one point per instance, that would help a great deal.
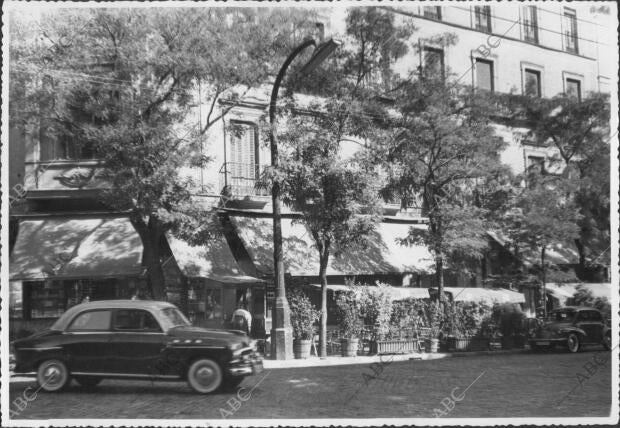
(482, 353)
(349, 361)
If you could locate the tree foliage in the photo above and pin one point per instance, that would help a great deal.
(442, 147)
(578, 130)
(337, 195)
(120, 85)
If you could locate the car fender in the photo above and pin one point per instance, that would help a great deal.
(183, 356)
(580, 332)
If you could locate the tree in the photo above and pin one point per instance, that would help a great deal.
(119, 84)
(542, 216)
(337, 197)
(578, 130)
(443, 148)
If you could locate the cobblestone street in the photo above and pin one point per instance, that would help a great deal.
(526, 385)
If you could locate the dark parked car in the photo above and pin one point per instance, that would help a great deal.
(572, 327)
(134, 339)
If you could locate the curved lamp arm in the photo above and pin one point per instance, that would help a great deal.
(280, 76)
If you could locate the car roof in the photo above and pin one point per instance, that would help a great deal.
(62, 322)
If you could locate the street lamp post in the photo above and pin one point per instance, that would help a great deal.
(281, 332)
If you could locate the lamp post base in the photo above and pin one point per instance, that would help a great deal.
(282, 343)
(281, 333)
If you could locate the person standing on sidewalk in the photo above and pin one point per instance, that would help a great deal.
(242, 319)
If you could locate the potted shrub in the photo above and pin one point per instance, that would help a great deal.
(434, 319)
(466, 326)
(350, 322)
(303, 319)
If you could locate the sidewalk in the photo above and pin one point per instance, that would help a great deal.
(314, 361)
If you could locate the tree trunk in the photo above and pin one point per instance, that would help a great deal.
(582, 258)
(439, 277)
(184, 294)
(544, 285)
(323, 259)
(151, 235)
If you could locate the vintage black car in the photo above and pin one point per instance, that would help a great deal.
(134, 339)
(573, 327)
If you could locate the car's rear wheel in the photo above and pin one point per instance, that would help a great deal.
(88, 382)
(204, 376)
(52, 375)
(607, 341)
(573, 343)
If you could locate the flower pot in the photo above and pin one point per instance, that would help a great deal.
(349, 347)
(301, 348)
(431, 345)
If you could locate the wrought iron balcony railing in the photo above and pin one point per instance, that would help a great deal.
(243, 179)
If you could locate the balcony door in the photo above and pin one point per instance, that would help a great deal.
(243, 168)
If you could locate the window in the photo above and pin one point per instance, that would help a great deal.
(44, 299)
(135, 320)
(91, 321)
(530, 24)
(482, 17)
(243, 171)
(49, 299)
(433, 12)
(16, 308)
(531, 83)
(204, 303)
(570, 30)
(484, 74)
(573, 88)
(65, 147)
(536, 164)
(433, 62)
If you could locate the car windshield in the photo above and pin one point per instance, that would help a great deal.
(561, 316)
(174, 318)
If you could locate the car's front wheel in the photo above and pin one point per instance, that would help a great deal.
(52, 375)
(204, 376)
(573, 343)
(88, 382)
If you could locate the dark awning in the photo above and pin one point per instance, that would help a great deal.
(384, 254)
(213, 260)
(66, 248)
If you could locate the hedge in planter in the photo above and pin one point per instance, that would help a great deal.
(304, 316)
(350, 319)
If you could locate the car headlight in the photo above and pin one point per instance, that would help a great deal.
(235, 346)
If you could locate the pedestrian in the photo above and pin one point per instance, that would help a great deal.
(242, 319)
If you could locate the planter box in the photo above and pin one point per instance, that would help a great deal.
(301, 348)
(460, 344)
(395, 346)
(349, 347)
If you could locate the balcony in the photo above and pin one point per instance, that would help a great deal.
(242, 186)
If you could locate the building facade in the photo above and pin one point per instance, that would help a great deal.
(67, 246)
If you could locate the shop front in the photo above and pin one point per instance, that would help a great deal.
(60, 261)
(216, 286)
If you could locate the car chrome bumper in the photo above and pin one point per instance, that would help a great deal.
(246, 365)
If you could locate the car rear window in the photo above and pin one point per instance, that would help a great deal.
(91, 321)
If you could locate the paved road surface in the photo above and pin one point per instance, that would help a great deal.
(507, 385)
